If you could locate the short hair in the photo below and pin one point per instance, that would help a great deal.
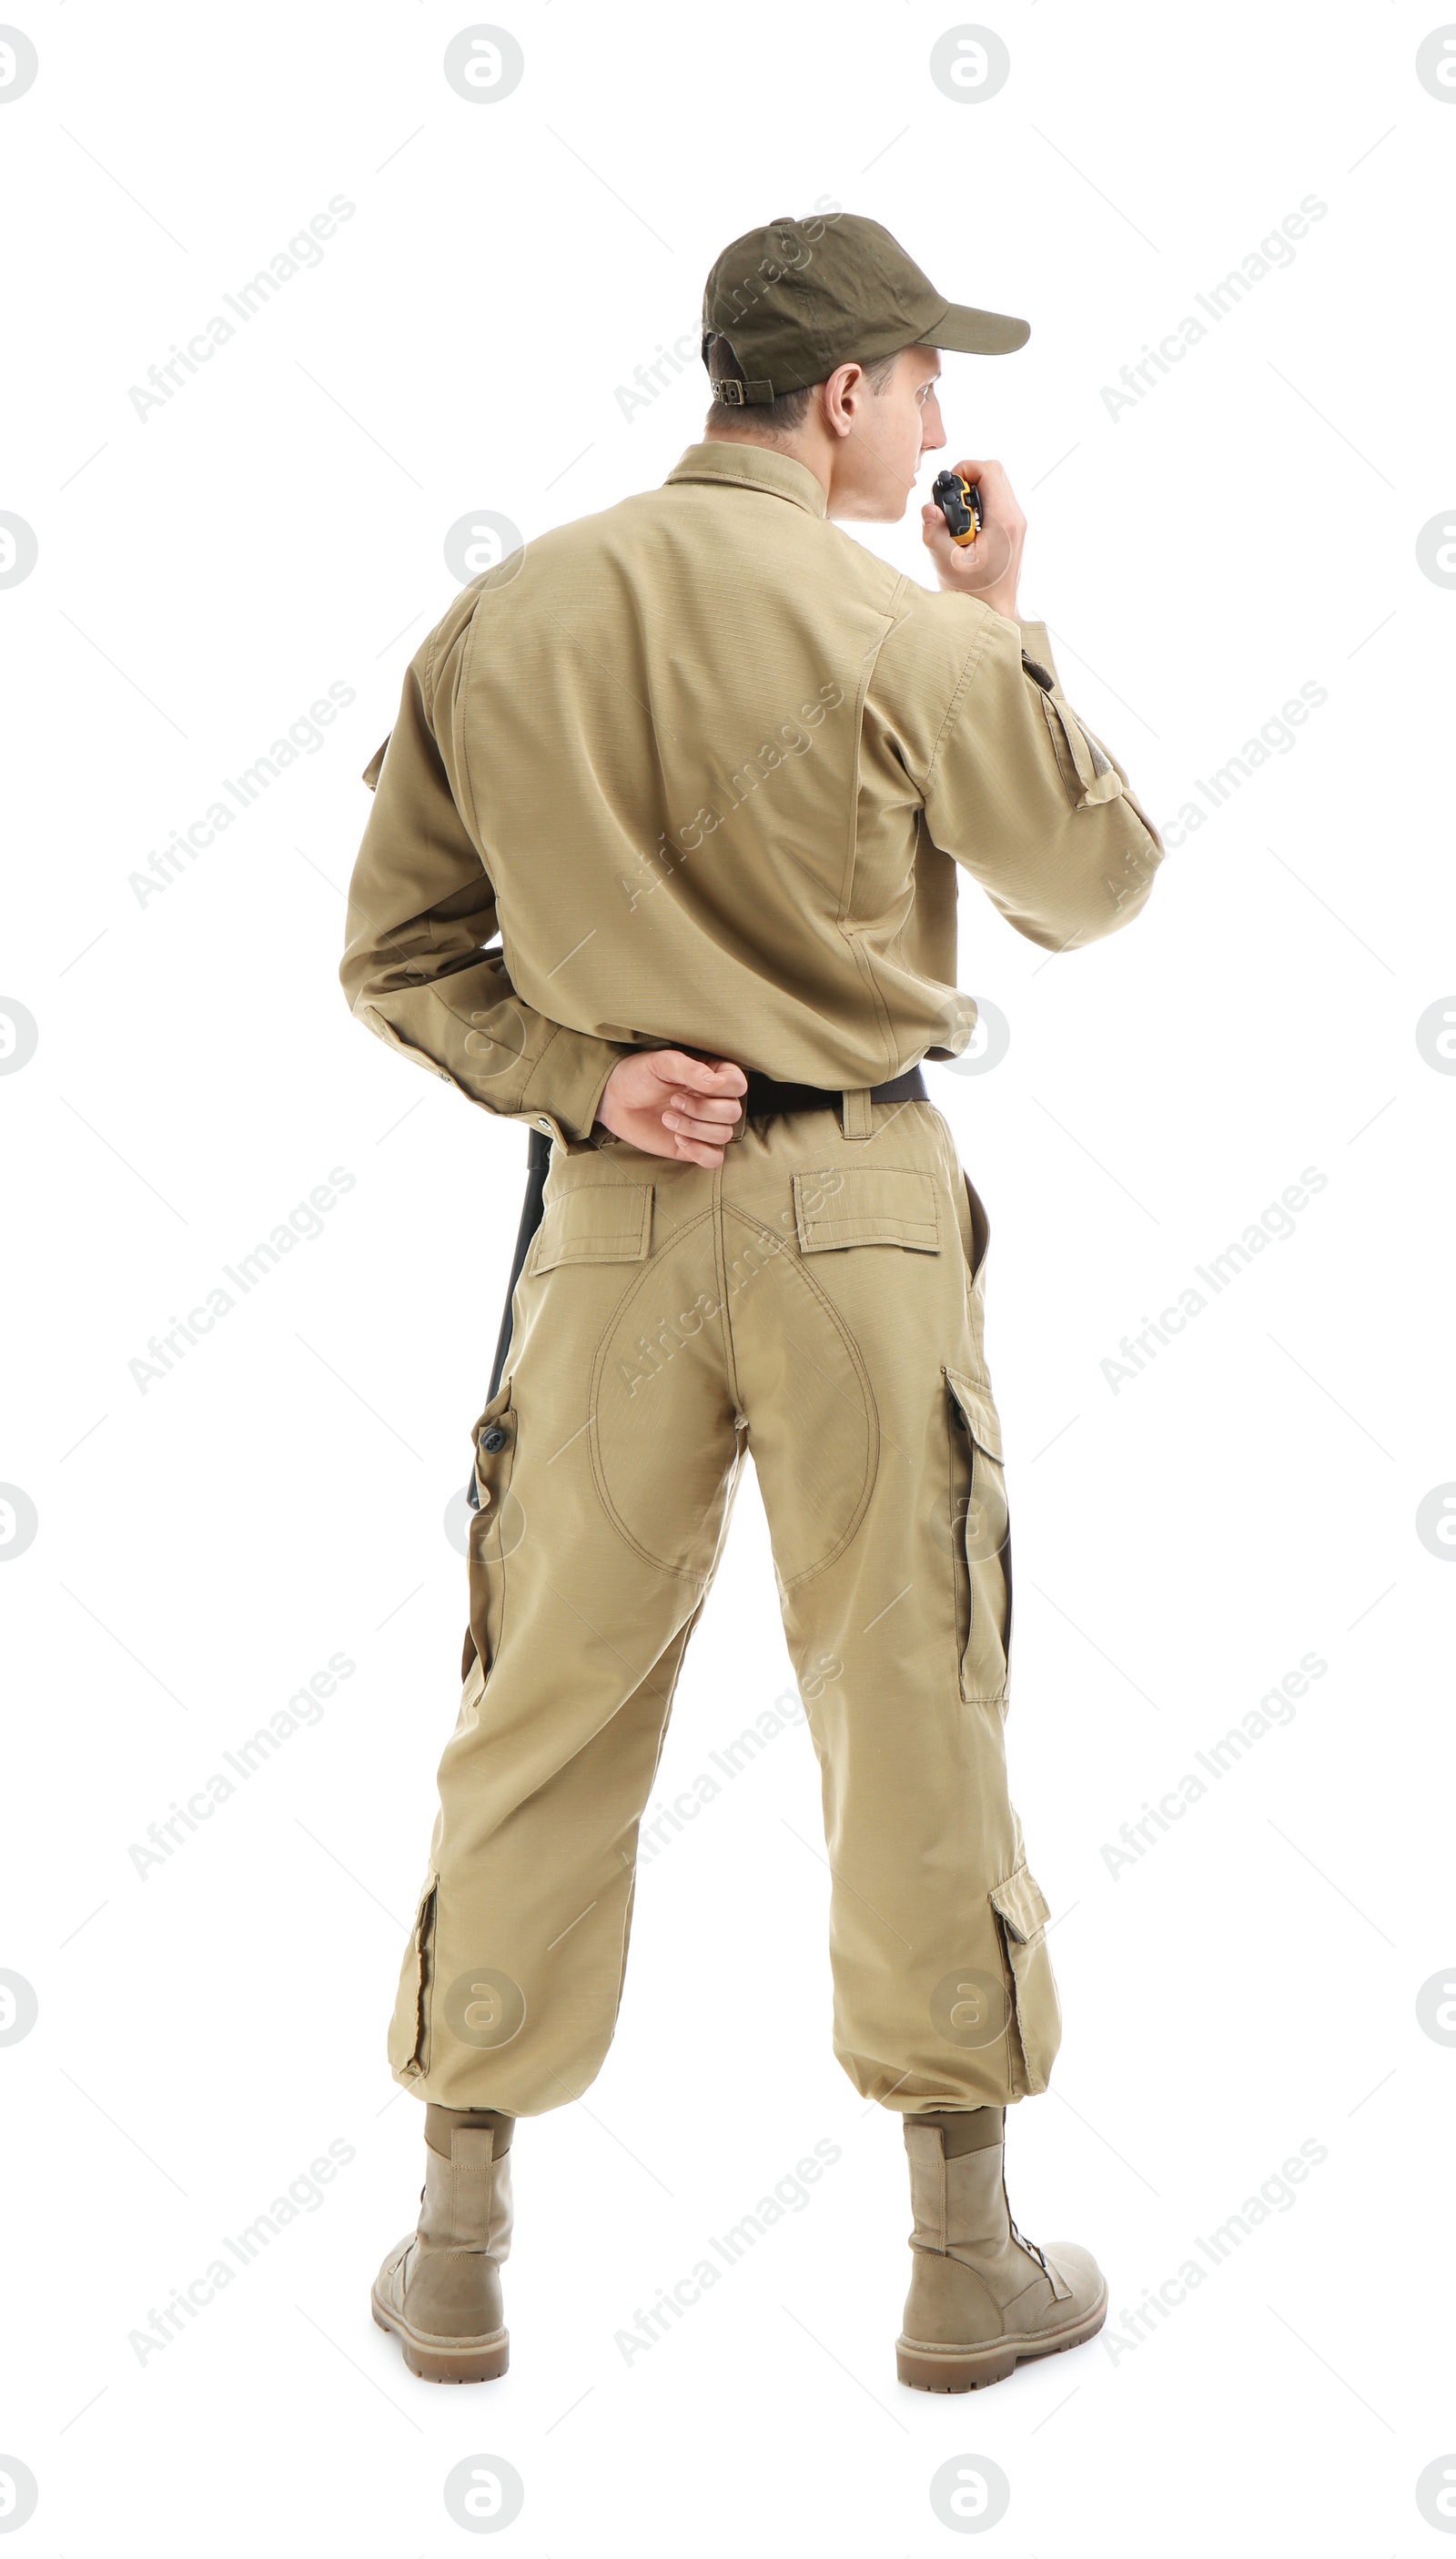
(783, 416)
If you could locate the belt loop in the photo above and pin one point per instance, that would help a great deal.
(856, 1116)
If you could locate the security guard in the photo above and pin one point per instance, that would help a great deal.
(664, 860)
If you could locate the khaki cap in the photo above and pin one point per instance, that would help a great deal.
(798, 298)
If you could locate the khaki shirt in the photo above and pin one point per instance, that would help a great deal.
(698, 773)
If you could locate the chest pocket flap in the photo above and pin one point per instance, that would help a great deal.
(597, 1222)
(870, 1204)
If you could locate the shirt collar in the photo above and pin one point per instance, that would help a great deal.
(753, 466)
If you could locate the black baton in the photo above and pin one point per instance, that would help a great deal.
(538, 1160)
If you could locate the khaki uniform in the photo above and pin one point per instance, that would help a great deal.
(708, 768)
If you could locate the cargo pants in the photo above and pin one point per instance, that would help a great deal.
(818, 1300)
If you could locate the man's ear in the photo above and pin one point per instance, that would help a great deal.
(847, 382)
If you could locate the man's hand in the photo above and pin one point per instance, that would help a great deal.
(990, 566)
(669, 1104)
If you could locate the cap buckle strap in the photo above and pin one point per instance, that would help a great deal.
(739, 395)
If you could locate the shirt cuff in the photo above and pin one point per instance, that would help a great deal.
(568, 1082)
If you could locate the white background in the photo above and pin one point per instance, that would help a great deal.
(1245, 1986)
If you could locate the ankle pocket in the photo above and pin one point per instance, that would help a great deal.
(409, 2032)
(1022, 1910)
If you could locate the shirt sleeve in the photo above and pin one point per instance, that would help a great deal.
(418, 968)
(1029, 801)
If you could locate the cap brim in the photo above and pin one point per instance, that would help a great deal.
(976, 333)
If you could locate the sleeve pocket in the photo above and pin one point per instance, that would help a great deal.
(1086, 770)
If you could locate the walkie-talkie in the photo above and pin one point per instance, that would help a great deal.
(959, 501)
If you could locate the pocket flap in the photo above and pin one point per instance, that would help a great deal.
(500, 1403)
(870, 1204)
(1089, 773)
(596, 1222)
(499, 1419)
(979, 1413)
(1022, 1904)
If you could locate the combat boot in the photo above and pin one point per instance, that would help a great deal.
(982, 2298)
(439, 2291)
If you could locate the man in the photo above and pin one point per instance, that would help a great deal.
(663, 859)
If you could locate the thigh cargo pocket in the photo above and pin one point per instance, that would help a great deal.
(496, 1527)
(409, 2031)
(1021, 1908)
(980, 1542)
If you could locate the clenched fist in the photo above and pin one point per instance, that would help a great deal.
(990, 566)
(669, 1104)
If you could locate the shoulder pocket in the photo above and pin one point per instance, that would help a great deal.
(869, 1205)
(595, 1222)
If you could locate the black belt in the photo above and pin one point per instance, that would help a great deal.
(766, 1098)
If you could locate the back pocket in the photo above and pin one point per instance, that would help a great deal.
(980, 1542)
(866, 1204)
(595, 1222)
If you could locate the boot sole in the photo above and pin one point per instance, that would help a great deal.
(438, 2358)
(961, 2367)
